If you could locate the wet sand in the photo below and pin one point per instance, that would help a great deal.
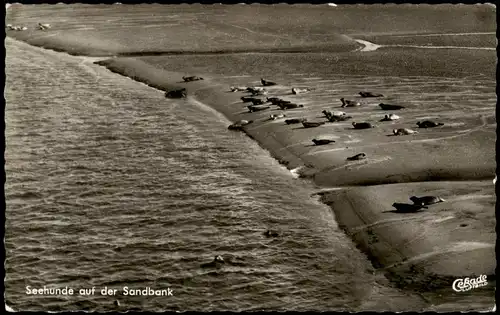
(456, 161)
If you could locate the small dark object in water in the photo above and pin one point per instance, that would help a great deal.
(390, 107)
(293, 121)
(357, 157)
(426, 200)
(407, 208)
(370, 94)
(256, 108)
(322, 141)
(362, 125)
(428, 124)
(267, 83)
(216, 263)
(176, 93)
(311, 124)
(192, 78)
(271, 233)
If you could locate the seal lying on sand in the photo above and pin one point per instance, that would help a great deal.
(311, 124)
(192, 78)
(216, 263)
(390, 117)
(267, 83)
(239, 124)
(336, 116)
(256, 108)
(407, 208)
(322, 141)
(370, 94)
(176, 93)
(257, 101)
(299, 91)
(290, 106)
(362, 125)
(403, 132)
(238, 89)
(276, 116)
(428, 124)
(426, 200)
(349, 103)
(294, 121)
(390, 107)
(357, 157)
(43, 27)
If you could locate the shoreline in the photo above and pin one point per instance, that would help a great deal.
(349, 219)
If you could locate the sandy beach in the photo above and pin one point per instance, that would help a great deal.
(447, 84)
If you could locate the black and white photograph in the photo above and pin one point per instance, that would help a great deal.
(241, 157)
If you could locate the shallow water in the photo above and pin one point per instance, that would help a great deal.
(109, 184)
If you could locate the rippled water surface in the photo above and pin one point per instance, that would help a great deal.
(109, 184)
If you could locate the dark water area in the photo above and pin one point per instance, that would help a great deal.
(109, 184)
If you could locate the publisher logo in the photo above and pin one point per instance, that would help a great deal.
(463, 285)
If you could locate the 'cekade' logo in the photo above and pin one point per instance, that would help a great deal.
(463, 285)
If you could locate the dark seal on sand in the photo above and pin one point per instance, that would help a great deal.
(192, 78)
(267, 83)
(322, 141)
(239, 124)
(426, 200)
(390, 107)
(370, 94)
(407, 208)
(359, 156)
(362, 125)
(176, 93)
(294, 121)
(428, 124)
(312, 124)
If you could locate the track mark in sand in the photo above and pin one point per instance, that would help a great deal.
(382, 223)
(445, 34)
(459, 247)
(358, 164)
(469, 197)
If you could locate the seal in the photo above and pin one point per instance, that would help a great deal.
(311, 124)
(362, 125)
(239, 124)
(403, 132)
(256, 108)
(247, 99)
(43, 27)
(322, 141)
(390, 107)
(370, 94)
(271, 233)
(300, 91)
(290, 106)
(408, 208)
(257, 101)
(349, 103)
(294, 121)
(357, 157)
(238, 89)
(267, 83)
(176, 93)
(216, 263)
(276, 116)
(428, 124)
(192, 78)
(336, 116)
(252, 89)
(426, 200)
(390, 117)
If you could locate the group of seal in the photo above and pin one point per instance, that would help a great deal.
(15, 27)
